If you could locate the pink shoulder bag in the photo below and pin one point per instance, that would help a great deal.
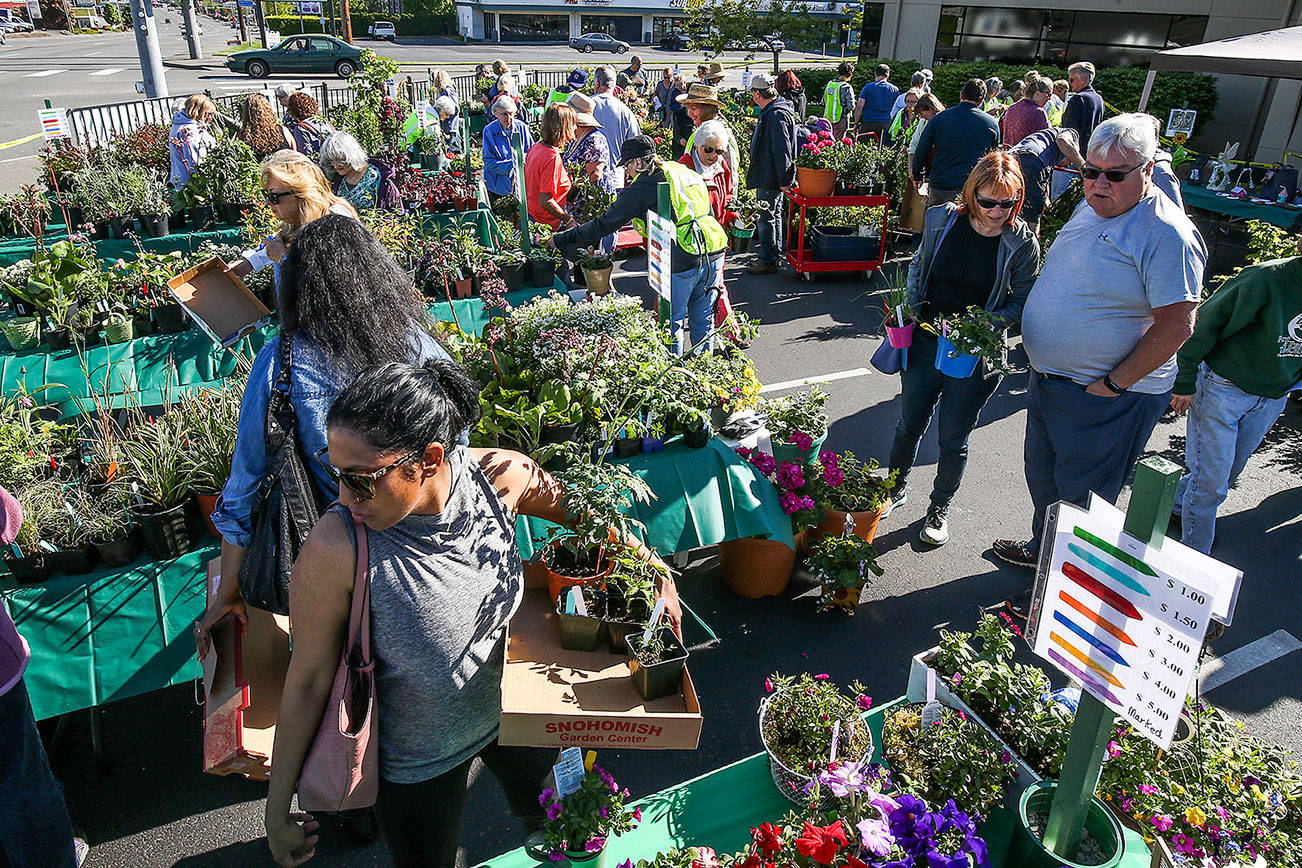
(342, 767)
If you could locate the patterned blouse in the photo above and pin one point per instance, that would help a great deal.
(363, 196)
(592, 148)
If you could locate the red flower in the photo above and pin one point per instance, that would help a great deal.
(768, 838)
(852, 862)
(821, 843)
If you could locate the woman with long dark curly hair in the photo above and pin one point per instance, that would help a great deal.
(345, 305)
(259, 128)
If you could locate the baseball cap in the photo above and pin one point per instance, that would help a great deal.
(635, 148)
(578, 78)
(928, 74)
(761, 81)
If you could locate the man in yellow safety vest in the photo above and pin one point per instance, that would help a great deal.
(838, 99)
(577, 79)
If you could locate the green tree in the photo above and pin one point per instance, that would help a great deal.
(717, 23)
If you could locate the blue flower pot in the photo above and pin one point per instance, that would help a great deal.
(952, 363)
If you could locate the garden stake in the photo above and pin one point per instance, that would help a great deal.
(1146, 519)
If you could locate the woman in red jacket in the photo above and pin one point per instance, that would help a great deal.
(709, 157)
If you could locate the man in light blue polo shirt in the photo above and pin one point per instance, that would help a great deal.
(1115, 300)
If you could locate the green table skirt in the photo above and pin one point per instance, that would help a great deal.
(720, 808)
(13, 249)
(110, 634)
(1201, 197)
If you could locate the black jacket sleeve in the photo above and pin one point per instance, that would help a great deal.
(783, 144)
(633, 201)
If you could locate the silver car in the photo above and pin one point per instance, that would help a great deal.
(590, 42)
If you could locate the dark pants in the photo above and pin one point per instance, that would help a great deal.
(1036, 179)
(879, 129)
(421, 822)
(35, 831)
(769, 226)
(937, 196)
(1077, 442)
(960, 400)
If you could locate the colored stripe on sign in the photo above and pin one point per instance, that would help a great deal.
(1084, 658)
(1112, 572)
(1085, 677)
(1097, 619)
(1102, 591)
(1109, 548)
(1103, 648)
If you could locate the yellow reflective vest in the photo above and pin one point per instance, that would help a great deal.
(832, 108)
(698, 233)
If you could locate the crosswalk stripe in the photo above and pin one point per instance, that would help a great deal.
(109, 71)
(43, 73)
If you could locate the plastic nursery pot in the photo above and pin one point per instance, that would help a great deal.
(121, 551)
(754, 568)
(75, 561)
(559, 581)
(549, 434)
(60, 338)
(120, 225)
(698, 437)
(1027, 850)
(156, 225)
(901, 337)
(462, 288)
(578, 632)
(652, 444)
(31, 569)
(99, 229)
(207, 504)
(952, 363)
(167, 533)
(512, 275)
(791, 452)
(627, 447)
(22, 333)
(587, 860)
(204, 217)
(119, 332)
(170, 318)
(660, 679)
(740, 238)
(143, 325)
(233, 213)
(539, 272)
(597, 279)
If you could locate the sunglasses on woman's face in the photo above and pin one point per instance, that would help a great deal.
(992, 204)
(706, 149)
(273, 198)
(362, 485)
(1115, 176)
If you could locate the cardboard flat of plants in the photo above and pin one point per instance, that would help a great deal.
(218, 301)
(557, 698)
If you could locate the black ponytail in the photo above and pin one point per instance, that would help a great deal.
(400, 407)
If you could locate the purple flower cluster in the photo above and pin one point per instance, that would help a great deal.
(791, 476)
(793, 503)
(802, 441)
(938, 839)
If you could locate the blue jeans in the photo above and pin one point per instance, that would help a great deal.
(691, 296)
(1226, 425)
(768, 229)
(1077, 442)
(35, 831)
(922, 390)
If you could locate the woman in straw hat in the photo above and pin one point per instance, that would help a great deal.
(701, 103)
(590, 150)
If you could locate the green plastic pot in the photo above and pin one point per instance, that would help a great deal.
(578, 632)
(789, 451)
(23, 333)
(1028, 851)
(659, 679)
(119, 332)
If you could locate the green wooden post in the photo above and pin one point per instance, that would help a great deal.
(517, 145)
(465, 143)
(665, 208)
(1146, 519)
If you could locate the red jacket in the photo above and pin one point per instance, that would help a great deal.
(722, 187)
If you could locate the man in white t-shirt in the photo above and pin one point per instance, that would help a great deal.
(1115, 300)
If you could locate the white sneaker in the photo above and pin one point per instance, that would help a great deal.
(935, 527)
(81, 850)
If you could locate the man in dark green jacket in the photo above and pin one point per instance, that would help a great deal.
(1235, 374)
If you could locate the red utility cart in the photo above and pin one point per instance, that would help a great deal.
(801, 256)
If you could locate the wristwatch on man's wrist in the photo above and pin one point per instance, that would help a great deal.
(1107, 381)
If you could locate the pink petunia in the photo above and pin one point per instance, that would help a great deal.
(1161, 822)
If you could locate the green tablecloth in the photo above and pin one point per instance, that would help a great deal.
(703, 497)
(14, 249)
(1201, 197)
(111, 633)
(719, 809)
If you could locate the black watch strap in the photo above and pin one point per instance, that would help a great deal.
(1107, 381)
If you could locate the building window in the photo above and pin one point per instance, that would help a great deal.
(662, 26)
(867, 42)
(1060, 37)
(535, 28)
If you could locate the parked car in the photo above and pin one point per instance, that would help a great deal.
(757, 43)
(314, 52)
(590, 42)
(383, 30)
(675, 42)
(15, 25)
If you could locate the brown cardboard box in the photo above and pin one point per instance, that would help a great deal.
(218, 301)
(557, 698)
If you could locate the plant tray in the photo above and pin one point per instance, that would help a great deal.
(557, 698)
(843, 244)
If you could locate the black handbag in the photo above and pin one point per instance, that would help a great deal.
(286, 505)
(1279, 179)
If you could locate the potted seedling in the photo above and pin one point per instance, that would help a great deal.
(597, 267)
(212, 420)
(73, 553)
(60, 305)
(798, 423)
(30, 557)
(155, 207)
(578, 827)
(579, 611)
(798, 720)
(108, 527)
(630, 596)
(851, 493)
(695, 426)
(154, 454)
(842, 565)
(510, 267)
(899, 318)
(656, 660)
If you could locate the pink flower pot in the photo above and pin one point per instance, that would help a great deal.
(901, 337)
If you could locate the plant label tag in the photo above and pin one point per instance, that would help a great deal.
(836, 736)
(568, 772)
(931, 684)
(931, 711)
(655, 619)
(576, 601)
(46, 545)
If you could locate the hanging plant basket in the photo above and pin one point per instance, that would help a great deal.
(792, 783)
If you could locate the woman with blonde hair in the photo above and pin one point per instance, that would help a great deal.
(189, 139)
(977, 252)
(297, 192)
(260, 129)
(442, 86)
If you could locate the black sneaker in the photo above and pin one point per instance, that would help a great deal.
(935, 527)
(1016, 552)
(1020, 604)
(899, 497)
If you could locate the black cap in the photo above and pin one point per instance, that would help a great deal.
(634, 148)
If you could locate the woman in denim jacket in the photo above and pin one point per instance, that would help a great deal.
(348, 306)
(978, 253)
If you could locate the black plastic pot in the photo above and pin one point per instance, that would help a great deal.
(155, 225)
(100, 230)
(233, 212)
(75, 218)
(578, 632)
(119, 226)
(697, 438)
(60, 338)
(548, 434)
(539, 273)
(177, 220)
(627, 447)
(170, 318)
(121, 551)
(512, 275)
(662, 679)
(75, 561)
(204, 217)
(142, 325)
(31, 569)
(168, 533)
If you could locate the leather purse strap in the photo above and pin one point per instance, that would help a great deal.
(359, 618)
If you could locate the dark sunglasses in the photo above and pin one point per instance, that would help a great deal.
(362, 484)
(274, 198)
(1115, 176)
(705, 149)
(991, 204)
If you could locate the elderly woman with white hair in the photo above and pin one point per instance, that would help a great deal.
(447, 109)
(499, 158)
(710, 158)
(350, 172)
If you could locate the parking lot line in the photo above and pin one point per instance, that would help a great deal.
(821, 378)
(1243, 660)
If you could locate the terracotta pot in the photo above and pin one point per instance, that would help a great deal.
(815, 182)
(833, 524)
(754, 568)
(462, 288)
(207, 506)
(557, 582)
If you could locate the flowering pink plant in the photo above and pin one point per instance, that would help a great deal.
(582, 821)
(793, 484)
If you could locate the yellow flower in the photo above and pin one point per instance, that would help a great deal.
(1178, 790)
(1195, 817)
(1258, 794)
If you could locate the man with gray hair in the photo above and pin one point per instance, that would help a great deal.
(283, 93)
(1115, 300)
(1084, 107)
(618, 123)
(917, 81)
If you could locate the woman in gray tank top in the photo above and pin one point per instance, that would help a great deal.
(445, 578)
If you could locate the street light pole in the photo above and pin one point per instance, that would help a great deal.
(151, 61)
(191, 32)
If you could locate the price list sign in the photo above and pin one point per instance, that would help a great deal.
(1109, 613)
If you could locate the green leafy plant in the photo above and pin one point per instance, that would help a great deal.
(976, 332)
(27, 211)
(899, 310)
(44, 516)
(155, 461)
(843, 561)
(723, 382)
(211, 419)
(104, 517)
(801, 413)
(631, 586)
(847, 483)
(594, 260)
(596, 496)
(30, 447)
(583, 821)
(797, 722)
